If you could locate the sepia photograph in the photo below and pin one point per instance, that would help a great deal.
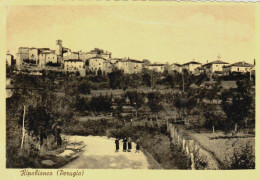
(159, 87)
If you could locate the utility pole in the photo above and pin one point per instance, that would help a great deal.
(23, 126)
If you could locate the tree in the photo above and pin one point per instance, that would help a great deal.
(146, 79)
(136, 99)
(115, 78)
(101, 103)
(180, 102)
(213, 118)
(125, 81)
(237, 103)
(170, 80)
(84, 87)
(155, 103)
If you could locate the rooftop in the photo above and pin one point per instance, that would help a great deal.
(73, 60)
(215, 62)
(241, 64)
(191, 62)
(156, 65)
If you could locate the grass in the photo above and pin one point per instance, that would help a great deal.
(221, 148)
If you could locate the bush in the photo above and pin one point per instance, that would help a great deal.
(243, 158)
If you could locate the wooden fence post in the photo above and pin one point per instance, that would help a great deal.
(192, 161)
(23, 127)
(183, 144)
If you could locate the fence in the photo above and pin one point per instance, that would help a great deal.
(200, 158)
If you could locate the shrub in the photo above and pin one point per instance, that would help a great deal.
(243, 158)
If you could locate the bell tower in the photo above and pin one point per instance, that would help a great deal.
(58, 51)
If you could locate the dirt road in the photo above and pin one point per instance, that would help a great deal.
(99, 153)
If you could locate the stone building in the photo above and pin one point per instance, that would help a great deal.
(95, 64)
(240, 67)
(74, 65)
(191, 66)
(34, 55)
(175, 67)
(9, 59)
(130, 66)
(156, 67)
(22, 55)
(47, 57)
(214, 66)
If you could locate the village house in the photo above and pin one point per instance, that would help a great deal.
(214, 67)
(74, 65)
(175, 67)
(199, 70)
(240, 67)
(71, 55)
(34, 55)
(156, 67)
(47, 57)
(191, 66)
(114, 60)
(108, 67)
(22, 55)
(96, 64)
(9, 59)
(130, 66)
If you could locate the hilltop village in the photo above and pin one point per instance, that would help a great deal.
(98, 61)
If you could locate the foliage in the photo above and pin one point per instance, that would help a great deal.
(101, 103)
(146, 79)
(115, 78)
(243, 158)
(237, 103)
(84, 87)
(155, 101)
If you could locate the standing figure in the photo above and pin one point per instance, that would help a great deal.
(137, 146)
(129, 144)
(124, 144)
(58, 136)
(117, 144)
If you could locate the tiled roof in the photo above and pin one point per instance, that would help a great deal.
(192, 62)
(215, 62)
(131, 60)
(156, 65)
(97, 57)
(74, 60)
(242, 64)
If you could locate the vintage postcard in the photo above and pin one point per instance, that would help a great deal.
(97, 89)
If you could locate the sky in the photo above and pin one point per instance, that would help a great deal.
(161, 33)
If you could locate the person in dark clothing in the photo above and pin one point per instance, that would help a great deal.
(137, 146)
(117, 144)
(58, 136)
(124, 144)
(129, 144)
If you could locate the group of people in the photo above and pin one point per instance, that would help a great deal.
(127, 145)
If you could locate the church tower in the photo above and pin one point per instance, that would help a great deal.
(58, 50)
